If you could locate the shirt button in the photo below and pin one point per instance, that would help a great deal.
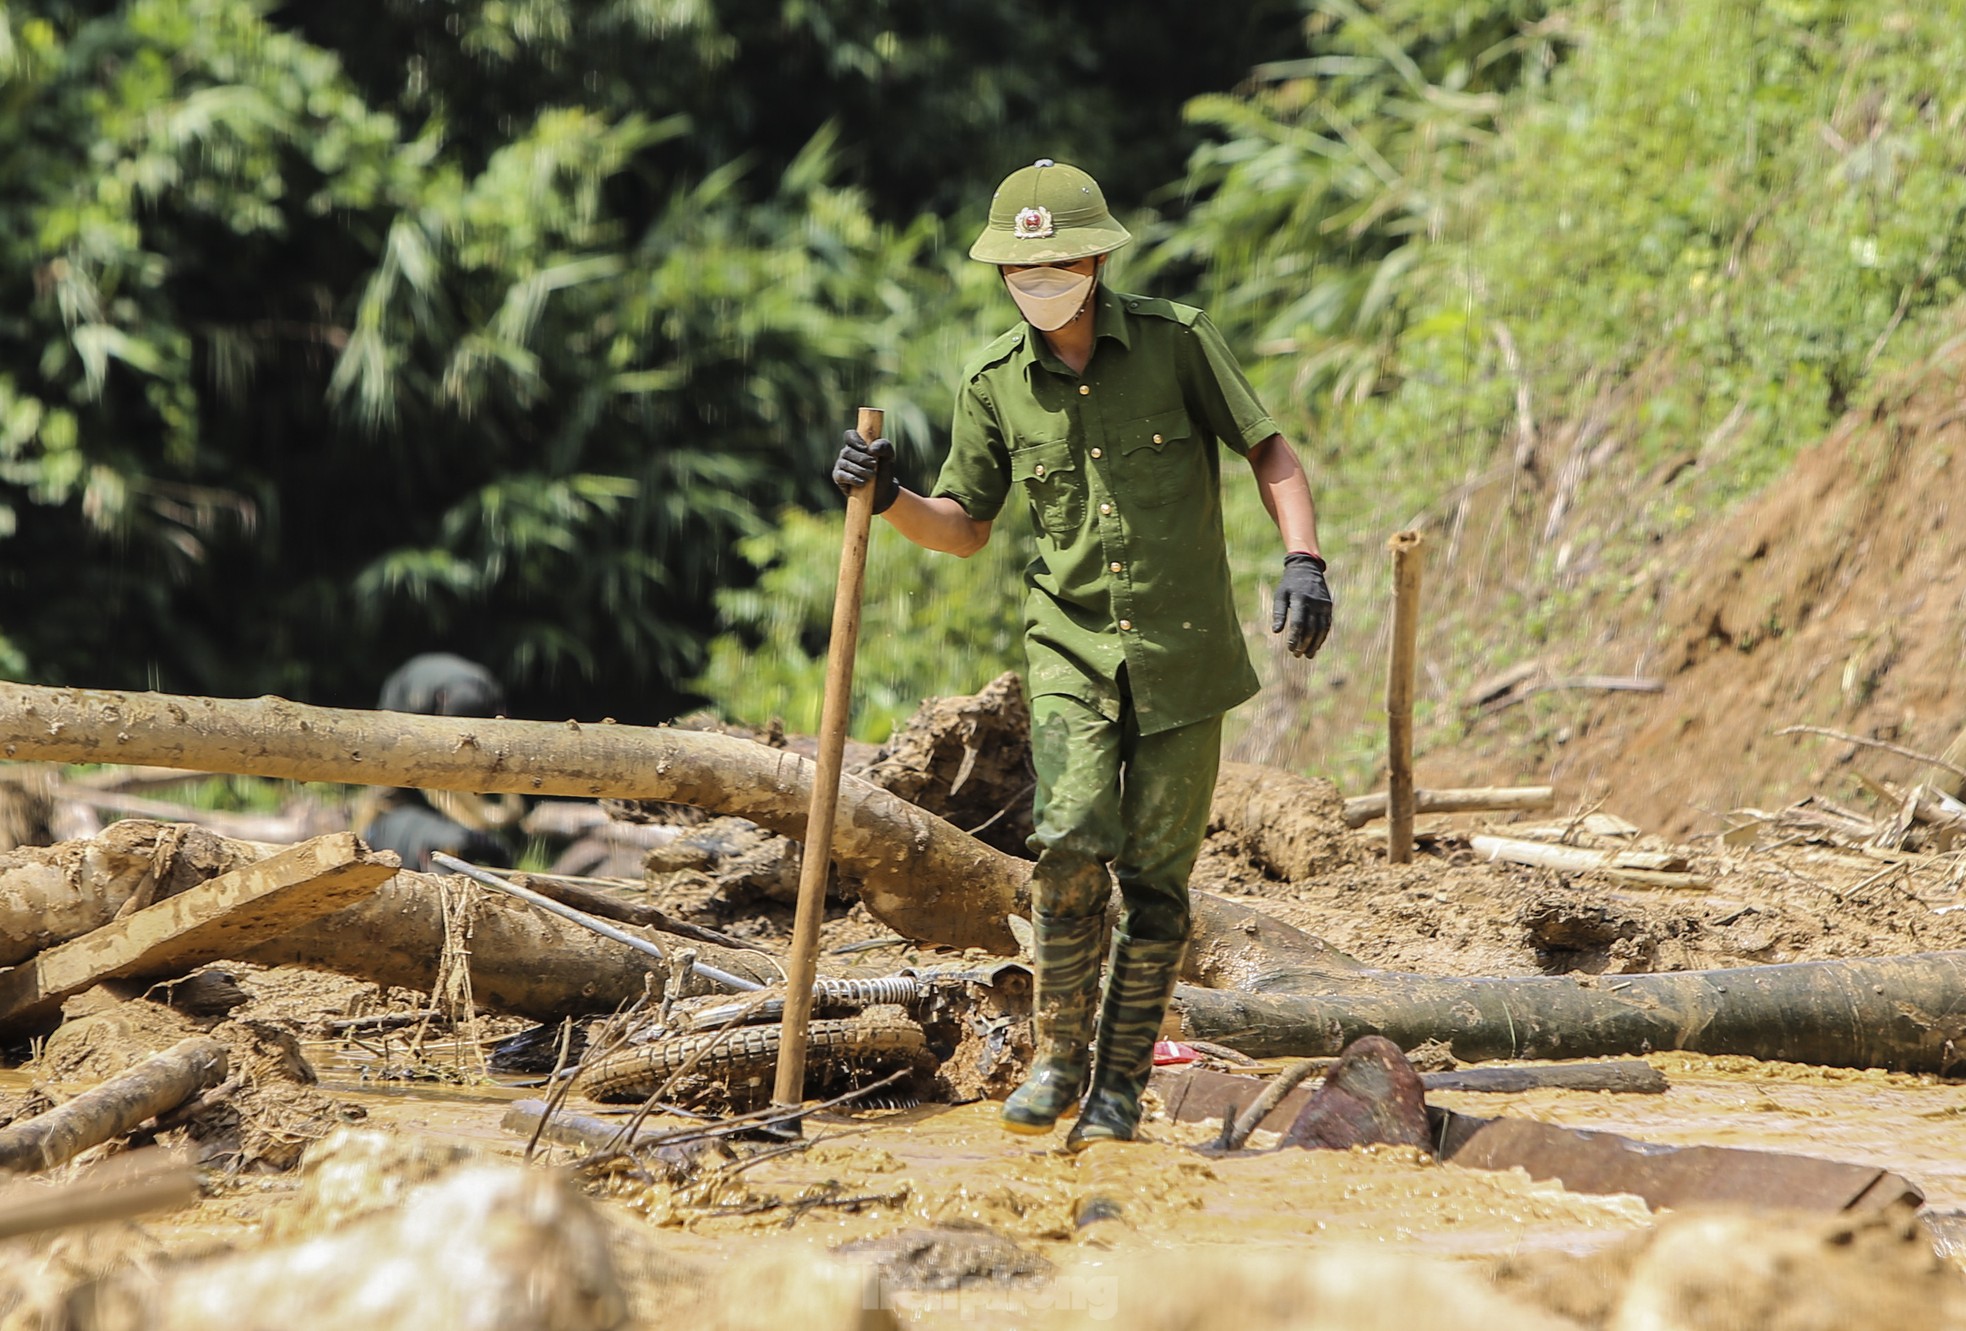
(1099, 452)
(1126, 624)
(1116, 566)
(1084, 389)
(1039, 470)
(1105, 509)
(1157, 439)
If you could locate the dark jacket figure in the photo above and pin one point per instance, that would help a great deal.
(413, 830)
(415, 823)
(440, 684)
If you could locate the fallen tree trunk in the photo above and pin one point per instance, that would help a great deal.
(218, 918)
(1903, 1013)
(161, 1082)
(1289, 825)
(1234, 946)
(919, 875)
(50, 894)
(1362, 809)
(525, 961)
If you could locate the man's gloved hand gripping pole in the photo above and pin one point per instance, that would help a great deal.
(860, 462)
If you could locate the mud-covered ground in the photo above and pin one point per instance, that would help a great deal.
(968, 1226)
(346, 1098)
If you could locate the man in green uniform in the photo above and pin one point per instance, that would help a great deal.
(1105, 410)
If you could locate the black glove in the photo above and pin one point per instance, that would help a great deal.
(860, 462)
(1304, 603)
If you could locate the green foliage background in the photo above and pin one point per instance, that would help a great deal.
(524, 328)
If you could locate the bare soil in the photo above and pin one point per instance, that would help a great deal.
(1835, 598)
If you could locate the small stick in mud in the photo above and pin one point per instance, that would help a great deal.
(160, 1083)
(1280, 1086)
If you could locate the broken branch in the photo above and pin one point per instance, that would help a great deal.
(1885, 745)
(1362, 809)
(160, 1083)
(217, 918)
(1643, 866)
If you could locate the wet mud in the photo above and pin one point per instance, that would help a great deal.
(949, 1221)
(968, 1225)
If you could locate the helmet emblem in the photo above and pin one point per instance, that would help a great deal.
(1034, 223)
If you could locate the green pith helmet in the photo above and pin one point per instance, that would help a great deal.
(1047, 213)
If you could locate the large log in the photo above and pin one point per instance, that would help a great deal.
(50, 894)
(919, 875)
(220, 917)
(1903, 1013)
(522, 960)
(120, 1188)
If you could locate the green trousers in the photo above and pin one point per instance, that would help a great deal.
(1106, 794)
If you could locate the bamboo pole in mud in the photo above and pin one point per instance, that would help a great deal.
(803, 965)
(1405, 548)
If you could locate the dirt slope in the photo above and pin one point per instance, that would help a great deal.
(1835, 598)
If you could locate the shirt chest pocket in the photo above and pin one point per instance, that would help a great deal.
(1159, 459)
(1053, 483)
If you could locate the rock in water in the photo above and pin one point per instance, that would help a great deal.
(1370, 1096)
(484, 1248)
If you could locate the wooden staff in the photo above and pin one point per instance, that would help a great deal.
(789, 1089)
(1405, 548)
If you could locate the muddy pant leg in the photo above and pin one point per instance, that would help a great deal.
(1077, 753)
(1170, 783)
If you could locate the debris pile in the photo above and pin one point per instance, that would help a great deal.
(235, 1003)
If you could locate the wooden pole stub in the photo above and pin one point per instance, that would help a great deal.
(1405, 548)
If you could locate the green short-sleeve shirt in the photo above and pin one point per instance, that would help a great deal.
(1122, 471)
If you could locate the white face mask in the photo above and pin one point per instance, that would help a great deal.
(1049, 297)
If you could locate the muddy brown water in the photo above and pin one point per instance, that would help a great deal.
(952, 1165)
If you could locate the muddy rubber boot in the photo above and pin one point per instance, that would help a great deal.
(1067, 954)
(1137, 989)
